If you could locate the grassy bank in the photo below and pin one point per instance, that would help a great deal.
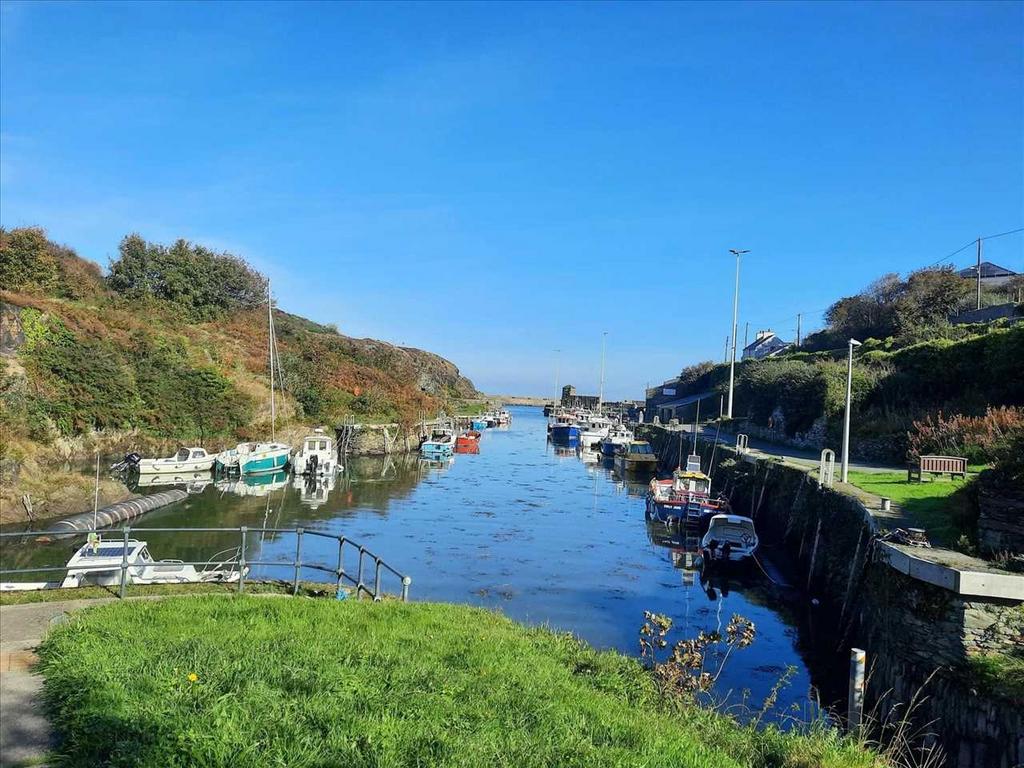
(249, 681)
(937, 505)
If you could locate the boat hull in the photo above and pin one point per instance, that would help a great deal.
(165, 466)
(565, 433)
(268, 462)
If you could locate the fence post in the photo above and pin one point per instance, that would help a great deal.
(341, 564)
(124, 564)
(359, 580)
(855, 703)
(376, 580)
(406, 581)
(241, 559)
(298, 561)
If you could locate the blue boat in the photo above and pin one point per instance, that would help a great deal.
(565, 433)
(479, 424)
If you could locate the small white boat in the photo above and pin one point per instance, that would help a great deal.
(729, 538)
(317, 455)
(98, 563)
(185, 461)
(617, 435)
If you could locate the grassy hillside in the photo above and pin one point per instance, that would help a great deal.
(219, 681)
(172, 346)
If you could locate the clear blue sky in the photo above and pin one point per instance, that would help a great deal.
(493, 182)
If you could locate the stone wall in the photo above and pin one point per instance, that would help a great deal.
(918, 636)
(1000, 521)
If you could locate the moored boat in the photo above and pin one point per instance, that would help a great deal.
(98, 562)
(317, 455)
(636, 456)
(594, 431)
(729, 539)
(685, 497)
(618, 434)
(468, 442)
(185, 460)
(439, 445)
(254, 458)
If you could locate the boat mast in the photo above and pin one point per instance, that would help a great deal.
(270, 346)
(600, 392)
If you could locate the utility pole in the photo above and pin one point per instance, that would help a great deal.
(735, 319)
(849, 404)
(798, 328)
(725, 357)
(600, 391)
(746, 332)
(979, 273)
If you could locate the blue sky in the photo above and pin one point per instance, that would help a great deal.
(494, 182)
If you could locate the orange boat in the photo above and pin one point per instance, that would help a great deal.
(468, 442)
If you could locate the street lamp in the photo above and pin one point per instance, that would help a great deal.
(735, 319)
(846, 419)
(558, 366)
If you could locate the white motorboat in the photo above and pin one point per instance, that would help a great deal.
(594, 431)
(98, 563)
(253, 458)
(185, 461)
(317, 455)
(729, 538)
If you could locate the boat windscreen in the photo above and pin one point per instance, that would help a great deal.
(182, 454)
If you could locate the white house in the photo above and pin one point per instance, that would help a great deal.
(766, 344)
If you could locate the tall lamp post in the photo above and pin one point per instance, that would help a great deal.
(735, 320)
(846, 419)
(558, 366)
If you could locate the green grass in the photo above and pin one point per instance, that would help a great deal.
(933, 505)
(1001, 673)
(310, 589)
(325, 683)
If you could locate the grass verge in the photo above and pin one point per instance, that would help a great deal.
(936, 505)
(251, 682)
(307, 589)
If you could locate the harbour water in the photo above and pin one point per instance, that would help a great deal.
(540, 533)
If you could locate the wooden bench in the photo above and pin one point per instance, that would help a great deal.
(954, 466)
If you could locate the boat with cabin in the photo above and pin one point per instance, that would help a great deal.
(440, 444)
(565, 428)
(185, 461)
(685, 497)
(618, 434)
(98, 563)
(636, 456)
(317, 455)
(468, 442)
(594, 431)
(729, 539)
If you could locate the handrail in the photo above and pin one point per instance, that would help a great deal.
(342, 576)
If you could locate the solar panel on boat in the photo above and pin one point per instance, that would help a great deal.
(105, 552)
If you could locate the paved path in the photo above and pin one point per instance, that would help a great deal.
(25, 735)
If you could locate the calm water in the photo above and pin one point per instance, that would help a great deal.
(540, 533)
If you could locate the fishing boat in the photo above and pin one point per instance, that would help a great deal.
(479, 423)
(729, 539)
(184, 461)
(618, 434)
(317, 455)
(685, 497)
(594, 431)
(468, 442)
(565, 429)
(636, 456)
(503, 417)
(441, 444)
(98, 562)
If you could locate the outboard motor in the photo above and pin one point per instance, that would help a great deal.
(128, 463)
(311, 464)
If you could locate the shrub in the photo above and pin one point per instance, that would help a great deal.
(978, 438)
(26, 261)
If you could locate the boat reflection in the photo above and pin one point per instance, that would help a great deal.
(254, 485)
(193, 482)
(314, 490)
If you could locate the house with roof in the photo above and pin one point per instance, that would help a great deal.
(765, 344)
(992, 275)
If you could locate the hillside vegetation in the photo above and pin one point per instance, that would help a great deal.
(920, 384)
(318, 683)
(172, 345)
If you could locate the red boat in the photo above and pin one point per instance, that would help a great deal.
(468, 442)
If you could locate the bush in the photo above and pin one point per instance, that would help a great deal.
(203, 283)
(978, 438)
(26, 261)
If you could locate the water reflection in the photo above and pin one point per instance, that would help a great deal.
(538, 531)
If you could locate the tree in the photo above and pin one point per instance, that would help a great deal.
(929, 297)
(26, 261)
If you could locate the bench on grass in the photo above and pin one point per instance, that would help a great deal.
(954, 466)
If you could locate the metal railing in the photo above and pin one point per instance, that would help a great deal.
(357, 577)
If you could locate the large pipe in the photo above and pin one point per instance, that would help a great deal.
(120, 512)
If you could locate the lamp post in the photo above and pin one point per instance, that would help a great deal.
(846, 419)
(735, 320)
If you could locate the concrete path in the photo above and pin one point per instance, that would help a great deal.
(25, 735)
